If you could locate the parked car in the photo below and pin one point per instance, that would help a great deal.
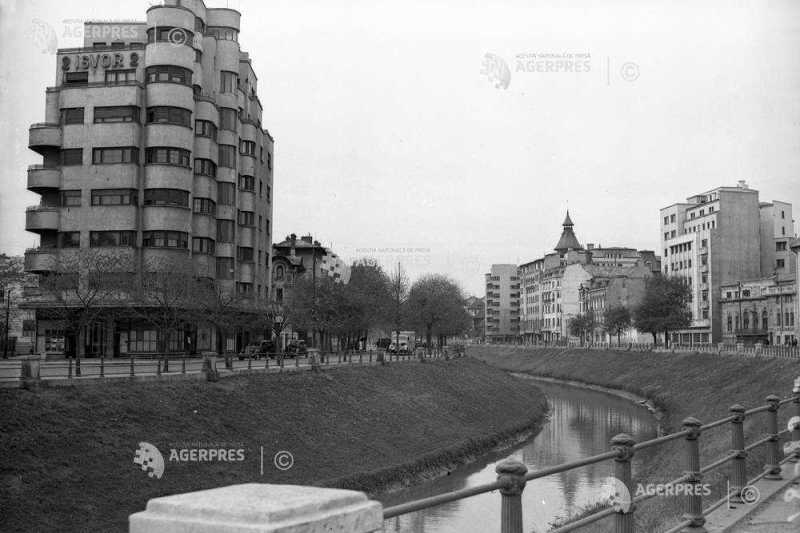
(296, 348)
(259, 349)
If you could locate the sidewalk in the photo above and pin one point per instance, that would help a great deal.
(780, 501)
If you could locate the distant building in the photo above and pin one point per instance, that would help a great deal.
(502, 303)
(14, 284)
(476, 307)
(550, 286)
(759, 311)
(720, 237)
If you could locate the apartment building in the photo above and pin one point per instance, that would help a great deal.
(502, 303)
(759, 311)
(720, 237)
(551, 286)
(153, 148)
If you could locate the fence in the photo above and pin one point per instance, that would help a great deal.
(513, 475)
(781, 351)
(14, 373)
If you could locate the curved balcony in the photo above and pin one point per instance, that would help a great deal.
(167, 53)
(41, 178)
(39, 218)
(40, 259)
(44, 137)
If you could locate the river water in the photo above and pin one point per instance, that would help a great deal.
(581, 423)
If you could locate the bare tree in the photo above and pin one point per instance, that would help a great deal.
(436, 304)
(84, 286)
(398, 289)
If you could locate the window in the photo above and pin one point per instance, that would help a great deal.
(69, 239)
(780, 263)
(227, 156)
(205, 128)
(72, 115)
(226, 193)
(267, 224)
(260, 223)
(225, 230)
(269, 160)
(246, 218)
(170, 34)
(168, 156)
(245, 254)
(205, 167)
(142, 341)
(247, 183)
(101, 239)
(117, 77)
(127, 113)
(70, 198)
(76, 78)
(228, 81)
(244, 289)
(269, 193)
(203, 245)
(247, 148)
(227, 119)
(223, 34)
(224, 267)
(71, 156)
(204, 206)
(783, 214)
(198, 56)
(169, 74)
(165, 239)
(672, 218)
(260, 189)
(166, 197)
(672, 234)
(666, 220)
(169, 115)
(764, 319)
(279, 273)
(780, 246)
(730, 323)
(114, 196)
(123, 154)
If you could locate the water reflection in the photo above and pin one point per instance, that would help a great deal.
(581, 424)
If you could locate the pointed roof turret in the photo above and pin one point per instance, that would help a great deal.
(568, 240)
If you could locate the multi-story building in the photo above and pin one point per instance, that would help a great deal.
(502, 303)
(759, 311)
(717, 238)
(153, 148)
(551, 285)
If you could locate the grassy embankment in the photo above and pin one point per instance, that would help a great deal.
(67, 461)
(703, 386)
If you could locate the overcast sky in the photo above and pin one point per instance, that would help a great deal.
(391, 143)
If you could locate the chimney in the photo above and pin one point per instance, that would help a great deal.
(307, 238)
(742, 184)
(293, 239)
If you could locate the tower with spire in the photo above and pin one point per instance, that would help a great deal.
(568, 240)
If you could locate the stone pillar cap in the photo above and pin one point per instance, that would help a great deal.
(263, 508)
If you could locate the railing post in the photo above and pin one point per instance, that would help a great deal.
(297, 360)
(739, 461)
(183, 364)
(249, 362)
(796, 428)
(512, 475)
(132, 371)
(102, 366)
(69, 368)
(622, 444)
(773, 467)
(158, 367)
(694, 501)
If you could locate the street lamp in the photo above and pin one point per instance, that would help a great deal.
(7, 293)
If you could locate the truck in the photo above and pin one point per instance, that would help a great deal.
(402, 342)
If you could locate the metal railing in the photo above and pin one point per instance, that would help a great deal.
(128, 366)
(512, 475)
(779, 350)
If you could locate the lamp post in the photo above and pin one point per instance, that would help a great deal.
(5, 329)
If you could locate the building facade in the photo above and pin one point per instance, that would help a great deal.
(153, 149)
(759, 311)
(551, 286)
(476, 307)
(720, 237)
(502, 303)
(17, 325)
